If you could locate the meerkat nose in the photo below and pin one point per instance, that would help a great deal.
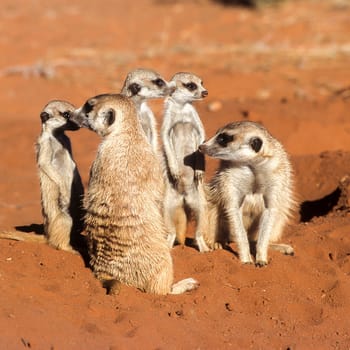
(204, 93)
(201, 148)
(171, 87)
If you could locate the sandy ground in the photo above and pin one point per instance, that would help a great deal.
(287, 67)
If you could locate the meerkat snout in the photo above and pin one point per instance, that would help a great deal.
(204, 93)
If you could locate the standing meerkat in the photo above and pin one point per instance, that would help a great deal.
(124, 224)
(251, 192)
(142, 85)
(60, 183)
(182, 132)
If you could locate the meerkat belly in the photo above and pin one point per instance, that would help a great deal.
(49, 195)
(185, 139)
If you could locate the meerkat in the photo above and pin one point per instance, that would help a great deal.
(142, 85)
(60, 183)
(182, 132)
(252, 191)
(123, 222)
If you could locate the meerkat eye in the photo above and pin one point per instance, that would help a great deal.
(190, 86)
(159, 82)
(44, 116)
(224, 139)
(66, 114)
(256, 143)
(134, 88)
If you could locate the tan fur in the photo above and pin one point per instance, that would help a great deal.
(251, 195)
(182, 132)
(124, 222)
(142, 85)
(60, 182)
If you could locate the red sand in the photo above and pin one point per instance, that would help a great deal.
(287, 67)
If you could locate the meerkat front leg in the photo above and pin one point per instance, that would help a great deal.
(239, 234)
(199, 168)
(173, 166)
(268, 220)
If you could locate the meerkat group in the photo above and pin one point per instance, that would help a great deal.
(140, 194)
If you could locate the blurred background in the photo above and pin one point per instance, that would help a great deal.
(282, 63)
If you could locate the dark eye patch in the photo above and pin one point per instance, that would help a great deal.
(224, 139)
(134, 88)
(87, 108)
(190, 86)
(159, 82)
(256, 143)
(110, 117)
(44, 116)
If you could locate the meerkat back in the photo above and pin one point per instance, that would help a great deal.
(124, 223)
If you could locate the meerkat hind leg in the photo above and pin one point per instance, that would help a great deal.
(59, 230)
(184, 285)
(282, 248)
(172, 207)
(180, 221)
(198, 207)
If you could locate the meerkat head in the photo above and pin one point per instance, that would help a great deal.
(56, 115)
(145, 84)
(241, 142)
(187, 87)
(105, 113)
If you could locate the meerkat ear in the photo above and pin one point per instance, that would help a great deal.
(134, 88)
(44, 116)
(92, 101)
(256, 143)
(110, 117)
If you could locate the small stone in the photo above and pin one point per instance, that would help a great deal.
(214, 106)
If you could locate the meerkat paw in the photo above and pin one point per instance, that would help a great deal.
(112, 286)
(184, 286)
(261, 258)
(260, 263)
(171, 239)
(246, 260)
(202, 246)
(175, 178)
(217, 245)
(198, 177)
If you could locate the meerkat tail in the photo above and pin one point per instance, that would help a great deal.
(184, 285)
(282, 248)
(24, 237)
(180, 220)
